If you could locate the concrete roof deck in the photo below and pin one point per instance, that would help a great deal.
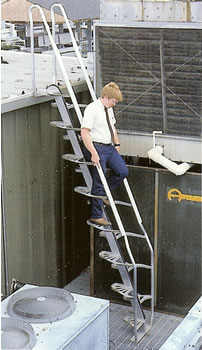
(16, 75)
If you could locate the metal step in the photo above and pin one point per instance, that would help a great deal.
(130, 319)
(143, 266)
(125, 291)
(86, 192)
(58, 94)
(104, 230)
(62, 125)
(100, 227)
(82, 105)
(103, 233)
(144, 297)
(143, 327)
(75, 159)
(69, 106)
(122, 203)
(119, 235)
(114, 259)
(142, 331)
(109, 256)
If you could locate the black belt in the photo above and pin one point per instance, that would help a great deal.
(101, 143)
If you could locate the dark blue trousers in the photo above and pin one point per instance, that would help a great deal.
(109, 158)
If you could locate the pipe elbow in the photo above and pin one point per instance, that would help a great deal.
(155, 154)
(180, 169)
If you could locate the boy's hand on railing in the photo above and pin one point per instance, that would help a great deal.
(95, 160)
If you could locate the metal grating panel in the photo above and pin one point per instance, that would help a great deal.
(160, 74)
(120, 333)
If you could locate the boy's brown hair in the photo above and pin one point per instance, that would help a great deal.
(112, 90)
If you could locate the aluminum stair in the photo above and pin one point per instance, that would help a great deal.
(62, 125)
(128, 289)
(85, 191)
(114, 260)
(111, 234)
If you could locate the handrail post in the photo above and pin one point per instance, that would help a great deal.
(135, 298)
(78, 54)
(32, 48)
(54, 57)
(139, 219)
(60, 62)
(115, 211)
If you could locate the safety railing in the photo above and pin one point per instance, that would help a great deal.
(58, 58)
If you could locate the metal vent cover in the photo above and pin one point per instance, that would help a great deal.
(16, 334)
(41, 305)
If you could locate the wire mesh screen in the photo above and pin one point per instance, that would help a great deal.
(160, 74)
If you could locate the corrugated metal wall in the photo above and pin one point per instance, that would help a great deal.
(160, 74)
(42, 222)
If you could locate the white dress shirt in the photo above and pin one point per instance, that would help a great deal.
(95, 120)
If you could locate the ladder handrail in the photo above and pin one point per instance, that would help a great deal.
(116, 214)
(78, 54)
(134, 205)
(57, 55)
(152, 271)
(136, 211)
(123, 233)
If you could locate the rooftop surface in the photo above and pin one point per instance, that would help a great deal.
(16, 74)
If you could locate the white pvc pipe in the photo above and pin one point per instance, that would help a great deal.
(154, 135)
(155, 154)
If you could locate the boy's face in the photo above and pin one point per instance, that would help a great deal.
(110, 102)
